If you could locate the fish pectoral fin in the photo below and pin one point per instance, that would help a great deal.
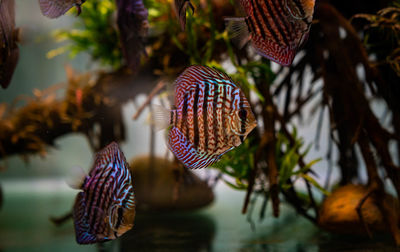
(76, 177)
(186, 153)
(238, 31)
(160, 117)
(180, 10)
(81, 225)
(300, 9)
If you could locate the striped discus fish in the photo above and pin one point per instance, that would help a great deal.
(56, 8)
(212, 116)
(105, 209)
(276, 28)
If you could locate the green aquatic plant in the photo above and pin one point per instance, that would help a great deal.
(94, 32)
(239, 162)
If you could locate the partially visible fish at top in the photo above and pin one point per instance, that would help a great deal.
(105, 208)
(57, 8)
(180, 11)
(133, 28)
(9, 51)
(211, 117)
(276, 28)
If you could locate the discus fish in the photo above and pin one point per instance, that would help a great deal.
(56, 8)
(105, 209)
(276, 28)
(212, 116)
(133, 28)
(180, 11)
(9, 51)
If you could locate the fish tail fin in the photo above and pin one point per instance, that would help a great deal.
(76, 177)
(180, 10)
(238, 31)
(160, 118)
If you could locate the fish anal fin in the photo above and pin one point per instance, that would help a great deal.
(282, 55)
(82, 232)
(186, 153)
(238, 31)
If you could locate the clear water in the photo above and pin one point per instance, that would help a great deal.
(25, 226)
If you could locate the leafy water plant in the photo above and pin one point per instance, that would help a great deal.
(94, 33)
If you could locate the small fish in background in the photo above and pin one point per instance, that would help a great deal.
(180, 11)
(57, 8)
(212, 116)
(276, 28)
(9, 36)
(133, 28)
(105, 209)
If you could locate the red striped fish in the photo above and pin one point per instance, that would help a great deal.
(57, 8)
(105, 209)
(276, 28)
(212, 116)
(9, 51)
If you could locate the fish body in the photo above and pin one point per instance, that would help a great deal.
(105, 208)
(212, 116)
(9, 51)
(57, 8)
(133, 26)
(276, 28)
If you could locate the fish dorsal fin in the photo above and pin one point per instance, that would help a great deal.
(192, 76)
(82, 228)
(186, 153)
(106, 155)
(300, 9)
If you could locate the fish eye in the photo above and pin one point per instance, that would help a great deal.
(242, 114)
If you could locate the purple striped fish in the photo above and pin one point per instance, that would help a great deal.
(56, 8)
(276, 28)
(212, 116)
(105, 209)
